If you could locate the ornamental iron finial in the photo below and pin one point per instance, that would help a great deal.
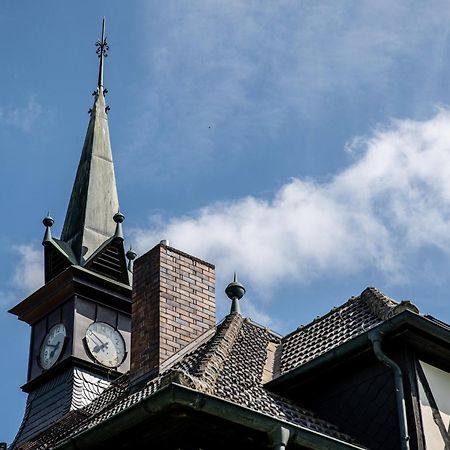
(235, 291)
(48, 222)
(118, 218)
(102, 52)
(131, 256)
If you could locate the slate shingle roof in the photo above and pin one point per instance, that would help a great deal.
(230, 365)
(340, 325)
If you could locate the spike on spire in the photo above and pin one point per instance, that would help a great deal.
(102, 52)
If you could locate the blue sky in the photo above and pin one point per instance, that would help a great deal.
(304, 144)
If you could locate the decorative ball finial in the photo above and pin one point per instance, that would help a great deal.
(131, 256)
(235, 291)
(48, 220)
(118, 217)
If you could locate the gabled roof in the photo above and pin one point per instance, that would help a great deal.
(228, 366)
(355, 317)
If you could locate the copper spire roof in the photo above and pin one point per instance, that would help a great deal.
(94, 201)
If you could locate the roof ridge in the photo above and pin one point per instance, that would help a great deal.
(209, 365)
(383, 306)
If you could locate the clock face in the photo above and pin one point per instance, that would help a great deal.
(52, 346)
(105, 344)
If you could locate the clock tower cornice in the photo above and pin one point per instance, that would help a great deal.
(74, 281)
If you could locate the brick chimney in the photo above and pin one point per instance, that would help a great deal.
(173, 304)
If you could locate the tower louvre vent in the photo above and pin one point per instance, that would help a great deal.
(110, 262)
(55, 263)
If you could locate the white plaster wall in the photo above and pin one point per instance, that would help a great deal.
(439, 382)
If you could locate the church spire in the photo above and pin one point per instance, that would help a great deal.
(94, 201)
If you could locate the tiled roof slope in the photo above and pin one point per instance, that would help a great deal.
(341, 324)
(229, 365)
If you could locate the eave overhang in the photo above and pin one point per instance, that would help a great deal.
(407, 322)
(177, 395)
(75, 280)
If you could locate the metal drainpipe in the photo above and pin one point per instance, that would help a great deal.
(375, 337)
(279, 437)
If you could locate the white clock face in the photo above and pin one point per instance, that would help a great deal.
(105, 344)
(52, 346)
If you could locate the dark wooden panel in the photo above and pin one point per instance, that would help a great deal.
(360, 399)
(107, 315)
(38, 333)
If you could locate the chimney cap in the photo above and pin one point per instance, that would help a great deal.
(165, 242)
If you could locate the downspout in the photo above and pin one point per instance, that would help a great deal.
(376, 338)
(279, 438)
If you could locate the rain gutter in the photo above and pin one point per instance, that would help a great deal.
(176, 395)
(359, 344)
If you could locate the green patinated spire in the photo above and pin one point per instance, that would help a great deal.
(94, 201)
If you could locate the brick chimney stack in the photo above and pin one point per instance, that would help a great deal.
(173, 304)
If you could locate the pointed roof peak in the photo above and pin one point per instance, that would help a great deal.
(94, 201)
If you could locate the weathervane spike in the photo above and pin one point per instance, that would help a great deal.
(102, 52)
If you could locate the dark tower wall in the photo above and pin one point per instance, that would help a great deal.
(362, 403)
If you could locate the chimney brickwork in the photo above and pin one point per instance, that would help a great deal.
(173, 304)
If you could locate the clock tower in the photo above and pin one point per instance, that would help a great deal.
(80, 318)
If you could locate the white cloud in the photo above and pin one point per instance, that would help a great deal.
(7, 298)
(379, 213)
(29, 275)
(22, 117)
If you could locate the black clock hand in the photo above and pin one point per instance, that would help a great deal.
(97, 348)
(56, 346)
